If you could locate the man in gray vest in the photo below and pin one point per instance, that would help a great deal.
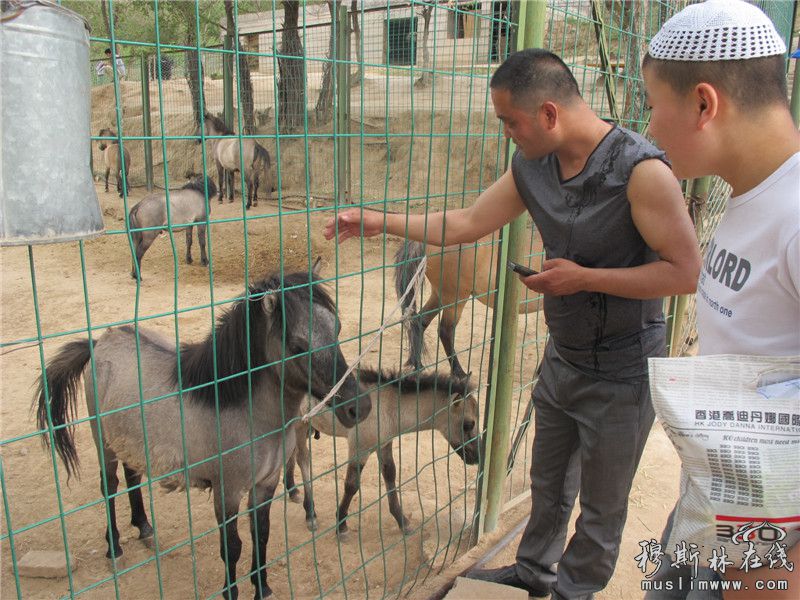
(617, 238)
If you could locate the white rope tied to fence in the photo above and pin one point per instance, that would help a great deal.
(415, 285)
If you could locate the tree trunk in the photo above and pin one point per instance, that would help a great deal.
(245, 83)
(291, 82)
(356, 80)
(104, 10)
(427, 77)
(194, 74)
(324, 107)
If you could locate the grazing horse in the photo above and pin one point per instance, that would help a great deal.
(187, 208)
(111, 159)
(403, 403)
(226, 154)
(229, 429)
(455, 273)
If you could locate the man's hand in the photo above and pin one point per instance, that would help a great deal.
(559, 277)
(350, 222)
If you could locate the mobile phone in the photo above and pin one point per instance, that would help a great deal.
(522, 270)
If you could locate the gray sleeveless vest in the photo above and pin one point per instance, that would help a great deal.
(587, 219)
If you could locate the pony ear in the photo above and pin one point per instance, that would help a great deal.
(317, 268)
(270, 301)
(456, 399)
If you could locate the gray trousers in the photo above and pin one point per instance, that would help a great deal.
(590, 435)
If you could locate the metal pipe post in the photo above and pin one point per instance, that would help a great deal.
(341, 67)
(531, 35)
(146, 129)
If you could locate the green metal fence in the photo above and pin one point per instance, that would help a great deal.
(383, 105)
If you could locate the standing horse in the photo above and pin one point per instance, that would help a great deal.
(456, 273)
(403, 404)
(111, 159)
(226, 154)
(187, 208)
(244, 383)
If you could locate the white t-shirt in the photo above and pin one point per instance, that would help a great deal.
(747, 297)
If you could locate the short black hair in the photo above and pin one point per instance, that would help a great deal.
(107, 51)
(536, 75)
(749, 83)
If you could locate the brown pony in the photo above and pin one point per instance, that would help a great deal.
(455, 273)
(111, 158)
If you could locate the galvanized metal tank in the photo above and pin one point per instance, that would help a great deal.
(46, 188)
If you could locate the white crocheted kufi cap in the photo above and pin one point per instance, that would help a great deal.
(717, 30)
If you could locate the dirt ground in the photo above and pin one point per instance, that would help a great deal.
(438, 490)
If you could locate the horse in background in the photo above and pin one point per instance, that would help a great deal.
(187, 209)
(225, 426)
(112, 160)
(228, 159)
(455, 273)
(402, 404)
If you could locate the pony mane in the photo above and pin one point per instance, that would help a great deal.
(198, 185)
(219, 124)
(409, 383)
(197, 366)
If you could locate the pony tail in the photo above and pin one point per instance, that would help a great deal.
(261, 159)
(62, 374)
(407, 258)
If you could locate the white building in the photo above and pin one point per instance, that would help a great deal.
(461, 33)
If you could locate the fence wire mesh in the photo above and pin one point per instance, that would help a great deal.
(396, 118)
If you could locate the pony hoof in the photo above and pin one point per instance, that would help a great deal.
(343, 535)
(231, 593)
(149, 542)
(312, 525)
(263, 594)
(145, 531)
(204, 262)
(294, 496)
(407, 528)
(189, 260)
(147, 538)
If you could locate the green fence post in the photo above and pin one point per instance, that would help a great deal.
(342, 111)
(531, 35)
(146, 129)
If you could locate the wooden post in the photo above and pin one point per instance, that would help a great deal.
(228, 61)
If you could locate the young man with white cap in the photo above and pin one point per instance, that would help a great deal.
(715, 76)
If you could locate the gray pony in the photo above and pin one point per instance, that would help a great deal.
(187, 208)
(217, 414)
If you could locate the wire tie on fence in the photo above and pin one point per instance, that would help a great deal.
(414, 285)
